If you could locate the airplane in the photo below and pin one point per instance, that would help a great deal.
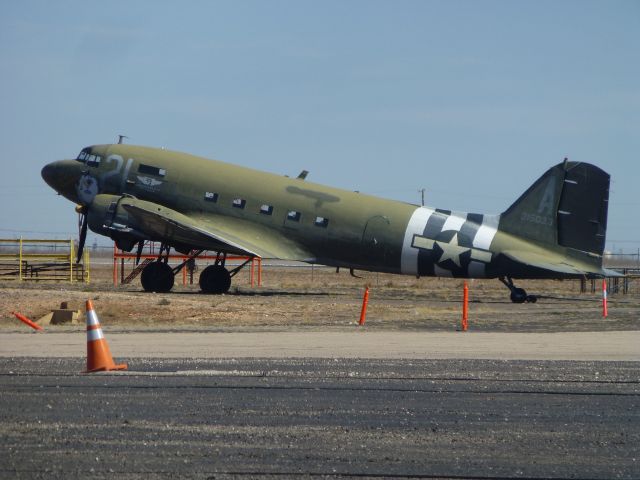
(133, 194)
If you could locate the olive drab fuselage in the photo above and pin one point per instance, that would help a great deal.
(185, 201)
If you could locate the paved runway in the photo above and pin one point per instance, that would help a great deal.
(285, 418)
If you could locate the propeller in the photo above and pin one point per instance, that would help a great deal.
(139, 252)
(83, 218)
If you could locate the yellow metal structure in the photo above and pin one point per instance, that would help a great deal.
(36, 259)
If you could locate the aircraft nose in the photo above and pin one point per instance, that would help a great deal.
(49, 173)
(62, 176)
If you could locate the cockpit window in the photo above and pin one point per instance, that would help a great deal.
(85, 156)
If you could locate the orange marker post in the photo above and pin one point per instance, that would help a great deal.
(465, 307)
(365, 302)
(26, 321)
(605, 312)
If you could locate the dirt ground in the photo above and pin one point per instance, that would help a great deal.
(302, 297)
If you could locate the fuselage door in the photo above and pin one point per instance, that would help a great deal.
(374, 240)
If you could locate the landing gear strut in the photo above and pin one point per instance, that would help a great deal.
(518, 295)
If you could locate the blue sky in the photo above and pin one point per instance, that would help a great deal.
(471, 100)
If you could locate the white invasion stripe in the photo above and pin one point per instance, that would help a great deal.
(453, 222)
(93, 335)
(486, 232)
(441, 272)
(476, 270)
(92, 318)
(409, 256)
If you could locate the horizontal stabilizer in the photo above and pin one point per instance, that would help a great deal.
(541, 261)
(561, 265)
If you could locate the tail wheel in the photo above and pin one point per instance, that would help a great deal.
(157, 277)
(518, 295)
(215, 279)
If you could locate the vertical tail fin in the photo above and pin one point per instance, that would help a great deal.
(566, 206)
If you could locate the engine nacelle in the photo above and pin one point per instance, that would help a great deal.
(107, 217)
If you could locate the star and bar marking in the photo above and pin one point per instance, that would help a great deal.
(450, 250)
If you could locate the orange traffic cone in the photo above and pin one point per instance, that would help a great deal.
(98, 354)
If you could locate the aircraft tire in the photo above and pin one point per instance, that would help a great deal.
(215, 279)
(157, 277)
(518, 295)
(532, 299)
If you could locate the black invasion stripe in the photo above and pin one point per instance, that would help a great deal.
(469, 229)
(431, 230)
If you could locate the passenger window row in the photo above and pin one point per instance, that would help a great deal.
(265, 209)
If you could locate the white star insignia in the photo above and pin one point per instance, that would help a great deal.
(451, 250)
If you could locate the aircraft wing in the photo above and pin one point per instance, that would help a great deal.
(213, 232)
(559, 264)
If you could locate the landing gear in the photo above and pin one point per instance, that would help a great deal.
(157, 277)
(215, 279)
(518, 295)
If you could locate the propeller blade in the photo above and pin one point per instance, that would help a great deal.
(139, 252)
(83, 236)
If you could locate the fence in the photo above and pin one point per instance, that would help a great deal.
(34, 259)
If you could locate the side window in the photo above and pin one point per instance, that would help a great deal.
(211, 197)
(321, 222)
(151, 170)
(294, 216)
(239, 202)
(266, 209)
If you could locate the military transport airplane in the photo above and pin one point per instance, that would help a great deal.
(131, 194)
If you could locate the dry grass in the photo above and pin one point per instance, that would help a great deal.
(320, 298)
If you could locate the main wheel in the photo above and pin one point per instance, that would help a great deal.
(518, 295)
(215, 279)
(157, 277)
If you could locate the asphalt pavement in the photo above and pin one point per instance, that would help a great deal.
(320, 417)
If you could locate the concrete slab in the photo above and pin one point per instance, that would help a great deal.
(618, 346)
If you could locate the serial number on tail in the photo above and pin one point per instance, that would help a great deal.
(537, 219)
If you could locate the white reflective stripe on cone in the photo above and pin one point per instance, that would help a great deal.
(94, 335)
(92, 318)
